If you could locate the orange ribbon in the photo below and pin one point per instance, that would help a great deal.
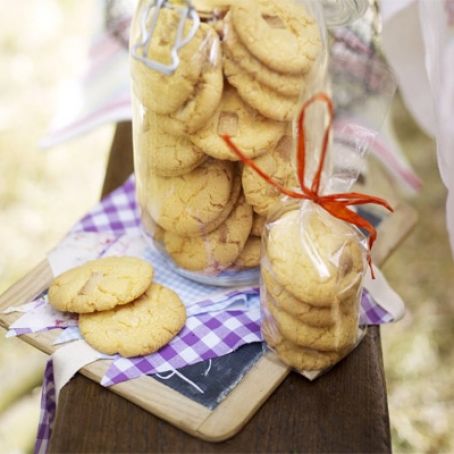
(335, 204)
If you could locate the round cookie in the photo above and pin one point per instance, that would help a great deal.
(250, 255)
(100, 285)
(163, 93)
(302, 358)
(314, 256)
(311, 315)
(193, 203)
(338, 337)
(216, 250)
(252, 133)
(286, 84)
(258, 224)
(199, 108)
(258, 192)
(139, 328)
(168, 155)
(268, 102)
(279, 33)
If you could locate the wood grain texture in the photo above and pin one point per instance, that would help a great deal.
(120, 164)
(393, 230)
(343, 411)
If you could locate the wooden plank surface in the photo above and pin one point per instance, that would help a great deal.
(120, 164)
(343, 411)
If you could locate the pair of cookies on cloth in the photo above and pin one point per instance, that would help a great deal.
(120, 309)
(270, 47)
(311, 282)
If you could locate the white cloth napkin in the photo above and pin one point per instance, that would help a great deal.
(418, 41)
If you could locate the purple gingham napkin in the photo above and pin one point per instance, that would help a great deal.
(371, 313)
(117, 213)
(48, 410)
(205, 336)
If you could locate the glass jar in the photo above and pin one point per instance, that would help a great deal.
(198, 72)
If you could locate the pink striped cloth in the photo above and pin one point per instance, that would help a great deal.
(101, 94)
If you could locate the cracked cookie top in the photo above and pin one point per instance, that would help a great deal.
(189, 204)
(218, 249)
(316, 257)
(164, 93)
(279, 33)
(251, 132)
(100, 285)
(259, 193)
(165, 154)
(138, 328)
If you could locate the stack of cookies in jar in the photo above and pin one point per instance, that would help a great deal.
(242, 74)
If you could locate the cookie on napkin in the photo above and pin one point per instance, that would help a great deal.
(139, 328)
(100, 285)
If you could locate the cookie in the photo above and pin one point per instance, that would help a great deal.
(251, 132)
(279, 33)
(311, 315)
(286, 84)
(138, 328)
(191, 204)
(258, 192)
(100, 285)
(315, 257)
(339, 337)
(167, 155)
(250, 255)
(302, 358)
(216, 250)
(265, 100)
(199, 108)
(165, 93)
(209, 10)
(234, 195)
(149, 228)
(258, 224)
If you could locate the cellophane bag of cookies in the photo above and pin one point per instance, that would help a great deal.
(311, 282)
(200, 70)
(315, 253)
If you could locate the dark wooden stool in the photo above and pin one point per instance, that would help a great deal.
(343, 411)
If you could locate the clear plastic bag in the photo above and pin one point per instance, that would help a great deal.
(241, 68)
(314, 256)
(312, 272)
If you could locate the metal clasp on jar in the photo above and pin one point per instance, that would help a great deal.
(149, 19)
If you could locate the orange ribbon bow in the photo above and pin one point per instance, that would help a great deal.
(335, 204)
